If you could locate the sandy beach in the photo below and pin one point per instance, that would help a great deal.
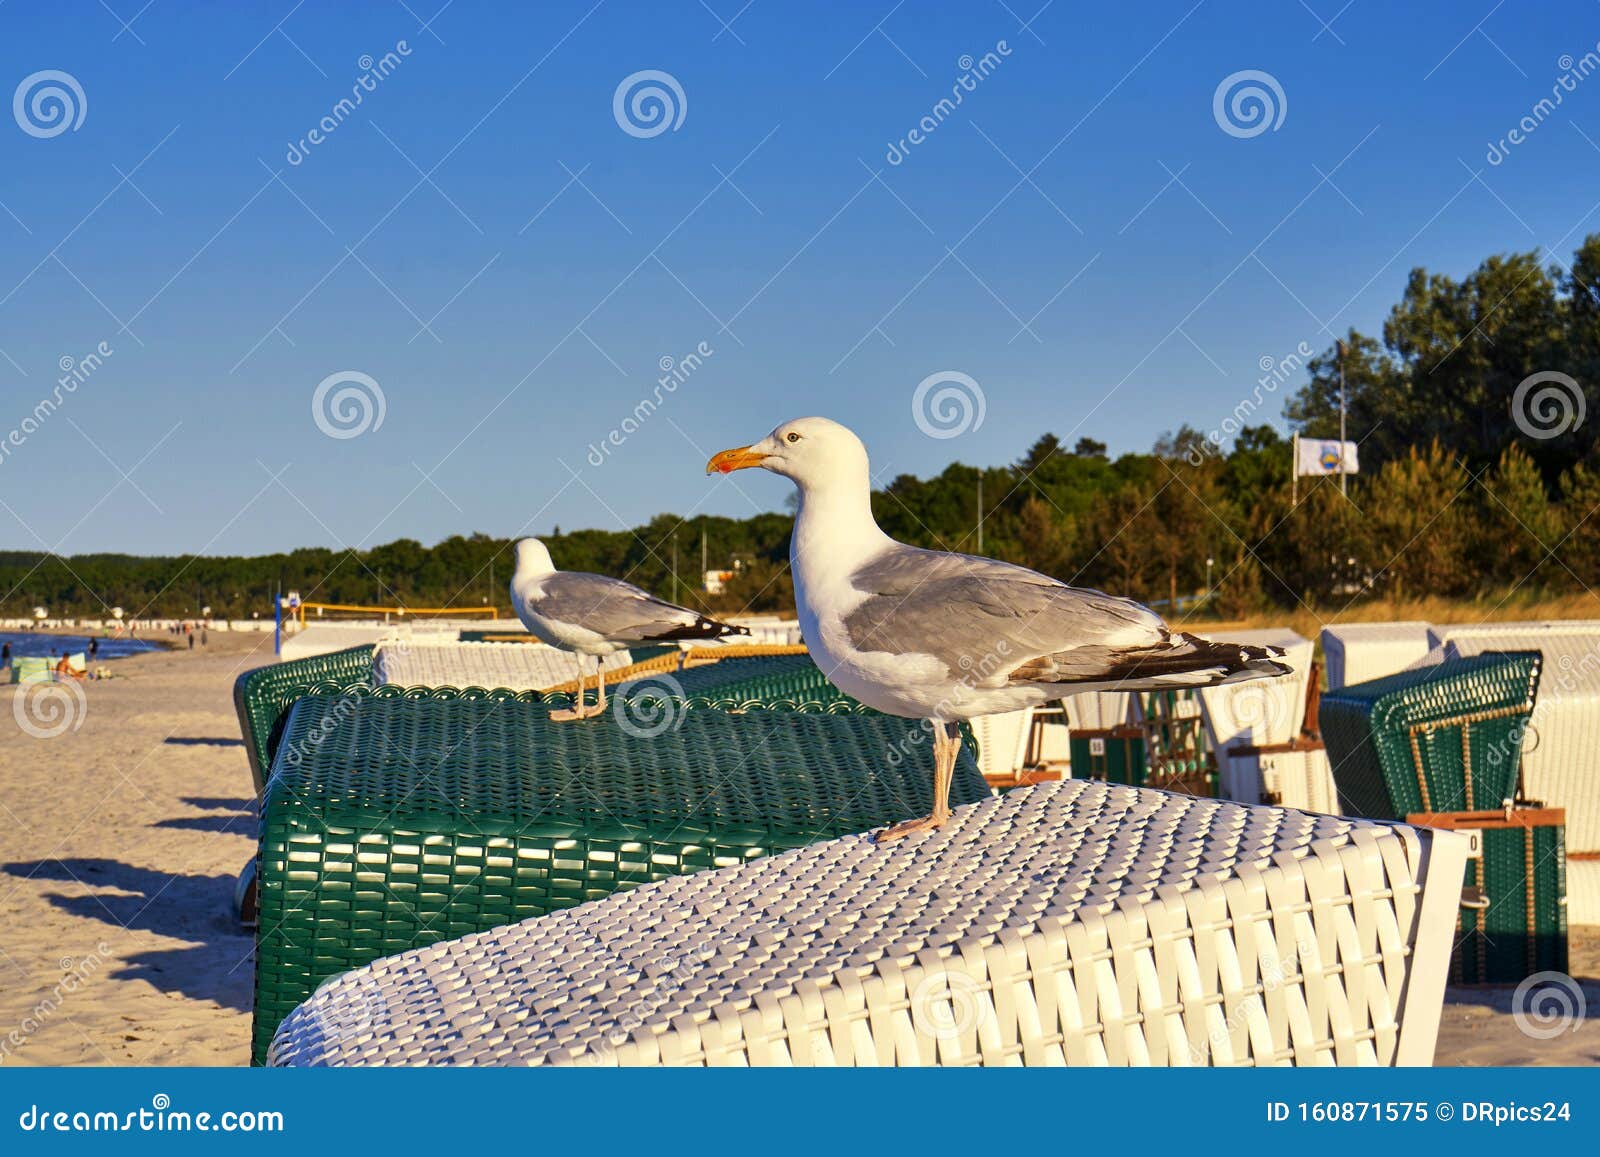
(120, 844)
(121, 838)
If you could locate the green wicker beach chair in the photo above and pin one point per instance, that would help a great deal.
(1513, 918)
(263, 697)
(1437, 739)
(394, 818)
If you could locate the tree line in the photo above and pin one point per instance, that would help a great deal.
(1480, 473)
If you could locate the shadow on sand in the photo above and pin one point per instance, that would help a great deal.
(195, 908)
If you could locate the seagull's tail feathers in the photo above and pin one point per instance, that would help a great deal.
(701, 628)
(1190, 661)
(1183, 660)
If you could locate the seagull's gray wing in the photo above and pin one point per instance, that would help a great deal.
(977, 614)
(621, 612)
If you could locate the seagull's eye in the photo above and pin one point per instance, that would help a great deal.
(794, 437)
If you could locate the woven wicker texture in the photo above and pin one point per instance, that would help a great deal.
(1559, 758)
(1068, 923)
(1360, 652)
(262, 697)
(398, 817)
(1513, 919)
(1523, 878)
(519, 666)
(1444, 738)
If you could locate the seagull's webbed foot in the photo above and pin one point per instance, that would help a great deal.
(928, 823)
(583, 711)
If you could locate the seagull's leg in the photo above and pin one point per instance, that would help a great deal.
(600, 682)
(577, 704)
(946, 750)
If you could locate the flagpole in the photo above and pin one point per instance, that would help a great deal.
(1294, 471)
(1340, 347)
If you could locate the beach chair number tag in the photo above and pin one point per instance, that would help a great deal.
(1097, 747)
(1474, 843)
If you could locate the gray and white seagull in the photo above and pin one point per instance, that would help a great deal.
(933, 635)
(591, 614)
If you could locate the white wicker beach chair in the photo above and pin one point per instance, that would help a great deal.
(1070, 923)
(1357, 652)
(1005, 739)
(1299, 776)
(518, 666)
(1257, 713)
(1583, 891)
(1098, 710)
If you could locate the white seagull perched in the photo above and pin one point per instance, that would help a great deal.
(929, 634)
(590, 614)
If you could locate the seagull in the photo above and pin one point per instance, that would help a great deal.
(590, 614)
(930, 634)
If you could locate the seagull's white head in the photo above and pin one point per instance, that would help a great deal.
(814, 452)
(533, 558)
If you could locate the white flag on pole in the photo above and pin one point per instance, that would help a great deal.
(1316, 456)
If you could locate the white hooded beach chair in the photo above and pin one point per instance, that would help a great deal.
(1071, 923)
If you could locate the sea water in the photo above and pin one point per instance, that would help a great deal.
(43, 644)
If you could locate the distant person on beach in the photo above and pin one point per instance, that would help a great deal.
(202, 636)
(64, 670)
(94, 649)
(5, 655)
(191, 641)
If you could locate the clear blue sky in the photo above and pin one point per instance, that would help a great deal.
(486, 189)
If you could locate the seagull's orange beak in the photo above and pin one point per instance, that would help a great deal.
(739, 458)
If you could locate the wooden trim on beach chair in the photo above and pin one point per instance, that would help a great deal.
(681, 660)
